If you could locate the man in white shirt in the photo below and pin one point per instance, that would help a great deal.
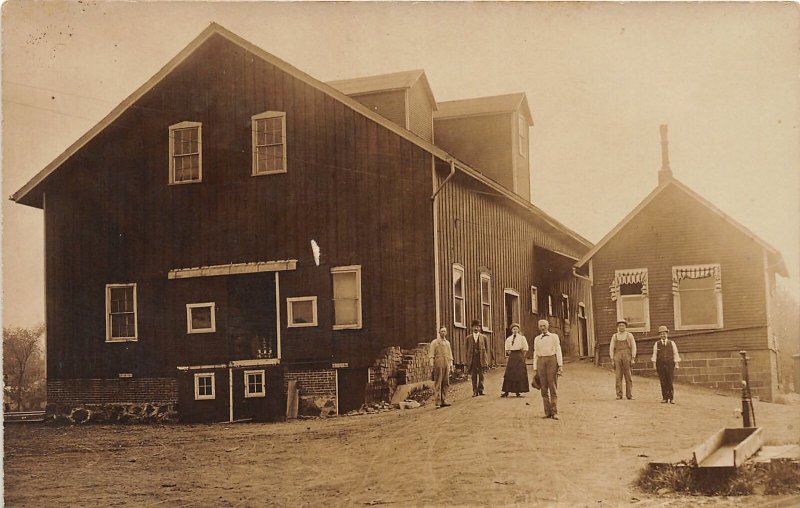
(549, 364)
(666, 358)
(441, 358)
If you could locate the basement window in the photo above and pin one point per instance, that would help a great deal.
(204, 386)
(121, 323)
(201, 318)
(254, 385)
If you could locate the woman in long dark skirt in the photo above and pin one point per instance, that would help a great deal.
(516, 377)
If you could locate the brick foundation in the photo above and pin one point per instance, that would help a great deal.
(317, 389)
(720, 370)
(112, 400)
(396, 367)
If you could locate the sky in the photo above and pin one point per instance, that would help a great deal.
(599, 77)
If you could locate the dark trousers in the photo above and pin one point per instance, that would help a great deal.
(547, 368)
(665, 371)
(477, 375)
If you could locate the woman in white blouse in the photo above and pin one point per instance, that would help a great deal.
(516, 375)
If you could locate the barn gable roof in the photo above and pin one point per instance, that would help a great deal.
(485, 105)
(385, 82)
(30, 194)
(776, 259)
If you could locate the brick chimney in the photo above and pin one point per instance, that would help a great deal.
(665, 173)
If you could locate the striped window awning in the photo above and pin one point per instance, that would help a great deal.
(696, 272)
(637, 276)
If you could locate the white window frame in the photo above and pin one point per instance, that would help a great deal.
(247, 393)
(550, 305)
(676, 302)
(522, 135)
(290, 315)
(459, 301)
(486, 276)
(135, 337)
(345, 269)
(645, 303)
(513, 292)
(209, 375)
(565, 305)
(253, 123)
(534, 300)
(182, 126)
(190, 306)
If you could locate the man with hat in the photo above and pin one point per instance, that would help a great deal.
(548, 364)
(666, 358)
(622, 350)
(477, 356)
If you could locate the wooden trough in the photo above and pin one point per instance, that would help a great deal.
(729, 447)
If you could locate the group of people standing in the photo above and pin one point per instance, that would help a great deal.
(548, 364)
(622, 350)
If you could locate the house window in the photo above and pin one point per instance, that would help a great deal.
(565, 306)
(201, 318)
(630, 290)
(204, 386)
(458, 297)
(534, 300)
(697, 296)
(254, 384)
(121, 312)
(185, 154)
(522, 135)
(486, 302)
(346, 297)
(549, 305)
(301, 311)
(269, 143)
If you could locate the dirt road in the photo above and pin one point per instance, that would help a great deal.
(481, 451)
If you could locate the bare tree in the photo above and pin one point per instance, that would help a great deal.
(23, 365)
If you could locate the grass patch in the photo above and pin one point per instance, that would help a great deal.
(773, 478)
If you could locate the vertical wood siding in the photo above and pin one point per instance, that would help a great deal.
(675, 229)
(359, 191)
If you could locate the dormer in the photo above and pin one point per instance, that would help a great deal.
(405, 98)
(491, 134)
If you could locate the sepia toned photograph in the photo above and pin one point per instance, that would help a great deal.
(400, 253)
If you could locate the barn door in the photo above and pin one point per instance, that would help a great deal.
(352, 387)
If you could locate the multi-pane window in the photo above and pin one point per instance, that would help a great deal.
(121, 312)
(486, 302)
(269, 143)
(629, 289)
(534, 300)
(346, 297)
(200, 317)
(697, 296)
(301, 311)
(204, 386)
(459, 310)
(185, 154)
(254, 384)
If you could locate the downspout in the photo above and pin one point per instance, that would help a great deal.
(436, 281)
(230, 394)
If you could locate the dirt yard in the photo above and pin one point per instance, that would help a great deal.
(481, 451)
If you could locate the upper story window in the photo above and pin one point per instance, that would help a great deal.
(629, 290)
(697, 296)
(534, 300)
(522, 133)
(185, 152)
(346, 297)
(201, 318)
(121, 312)
(459, 310)
(486, 302)
(301, 311)
(269, 143)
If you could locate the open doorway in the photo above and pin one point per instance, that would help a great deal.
(510, 308)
